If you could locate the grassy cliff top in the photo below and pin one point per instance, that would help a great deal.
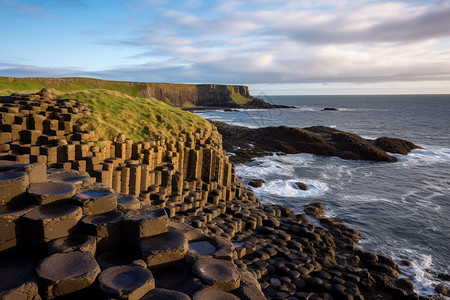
(117, 108)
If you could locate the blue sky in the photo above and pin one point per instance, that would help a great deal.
(275, 47)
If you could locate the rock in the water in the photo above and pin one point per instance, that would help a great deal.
(126, 282)
(163, 249)
(444, 276)
(315, 210)
(395, 145)
(442, 289)
(302, 186)
(219, 274)
(163, 294)
(257, 183)
(330, 109)
(210, 293)
(66, 273)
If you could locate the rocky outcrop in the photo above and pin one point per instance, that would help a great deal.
(317, 140)
(395, 145)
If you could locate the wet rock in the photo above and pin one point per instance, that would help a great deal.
(330, 109)
(395, 145)
(18, 281)
(315, 210)
(76, 242)
(163, 294)
(257, 183)
(45, 193)
(219, 274)
(50, 222)
(126, 282)
(211, 293)
(163, 249)
(145, 222)
(66, 273)
(442, 289)
(95, 200)
(302, 186)
(13, 186)
(444, 276)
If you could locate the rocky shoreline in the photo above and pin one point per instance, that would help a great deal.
(246, 143)
(158, 220)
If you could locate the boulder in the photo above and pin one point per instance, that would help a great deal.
(218, 274)
(45, 193)
(13, 187)
(395, 145)
(64, 274)
(95, 200)
(144, 222)
(301, 186)
(76, 242)
(45, 223)
(126, 282)
(315, 210)
(257, 183)
(163, 294)
(163, 249)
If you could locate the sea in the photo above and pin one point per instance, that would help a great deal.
(401, 209)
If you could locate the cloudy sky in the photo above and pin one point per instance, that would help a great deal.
(274, 46)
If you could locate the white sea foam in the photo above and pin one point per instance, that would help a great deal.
(427, 156)
(288, 188)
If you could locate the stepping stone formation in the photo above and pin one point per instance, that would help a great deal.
(96, 200)
(76, 242)
(126, 282)
(67, 273)
(45, 193)
(218, 274)
(145, 222)
(13, 186)
(164, 249)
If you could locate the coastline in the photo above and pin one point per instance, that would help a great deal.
(275, 253)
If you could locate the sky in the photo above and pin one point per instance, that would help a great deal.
(275, 47)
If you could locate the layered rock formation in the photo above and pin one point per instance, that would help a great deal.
(117, 219)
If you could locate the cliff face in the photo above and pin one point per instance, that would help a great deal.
(178, 94)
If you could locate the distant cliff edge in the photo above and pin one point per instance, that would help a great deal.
(179, 95)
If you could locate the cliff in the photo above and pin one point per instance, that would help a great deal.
(179, 95)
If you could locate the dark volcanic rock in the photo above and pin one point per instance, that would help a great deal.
(248, 143)
(259, 103)
(330, 109)
(315, 209)
(395, 145)
(302, 186)
(257, 183)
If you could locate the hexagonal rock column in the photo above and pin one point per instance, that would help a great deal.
(45, 193)
(79, 178)
(164, 249)
(96, 200)
(67, 273)
(50, 222)
(18, 281)
(210, 293)
(13, 186)
(10, 227)
(76, 242)
(106, 227)
(126, 282)
(144, 222)
(219, 274)
(163, 294)
(128, 202)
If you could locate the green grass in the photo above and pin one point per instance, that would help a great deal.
(239, 99)
(138, 118)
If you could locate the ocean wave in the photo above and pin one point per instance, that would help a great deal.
(288, 188)
(427, 156)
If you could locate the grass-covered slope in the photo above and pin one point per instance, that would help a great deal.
(138, 118)
(116, 108)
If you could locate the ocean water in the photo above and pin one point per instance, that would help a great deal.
(401, 209)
